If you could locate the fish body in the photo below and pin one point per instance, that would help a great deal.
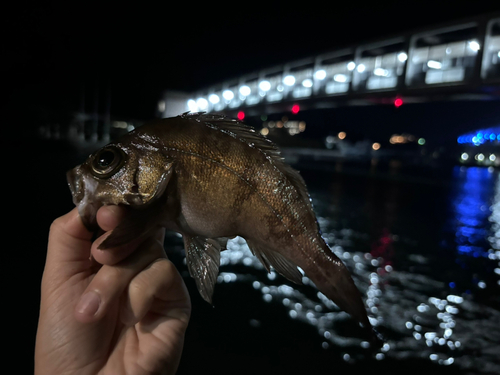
(211, 178)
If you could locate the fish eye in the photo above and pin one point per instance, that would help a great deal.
(107, 162)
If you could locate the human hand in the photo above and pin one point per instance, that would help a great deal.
(127, 316)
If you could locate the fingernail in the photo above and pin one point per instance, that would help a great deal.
(88, 304)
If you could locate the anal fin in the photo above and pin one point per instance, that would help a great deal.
(203, 260)
(272, 258)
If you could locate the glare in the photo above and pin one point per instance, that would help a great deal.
(340, 78)
(421, 141)
(376, 146)
(474, 45)
(228, 95)
(434, 64)
(465, 156)
(264, 131)
(320, 74)
(307, 82)
(480, 157)
(214, 99)
(361, 68)
(265, 85)
(351, 65)
(245, 90)
(289, 80)
(493, 157)
(342, 135)
(202, 103)
(402, 56)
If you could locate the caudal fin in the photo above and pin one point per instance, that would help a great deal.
(334, 280)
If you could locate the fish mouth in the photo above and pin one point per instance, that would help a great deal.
(87, 208)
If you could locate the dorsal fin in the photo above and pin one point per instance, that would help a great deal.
(247, 134)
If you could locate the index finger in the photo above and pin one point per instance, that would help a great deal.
(69, 240)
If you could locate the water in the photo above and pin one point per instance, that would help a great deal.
(423, 251)
(425, 257)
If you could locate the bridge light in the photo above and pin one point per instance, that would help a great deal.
(202, 103)
(398, 102)
(289, 80)
(361, 68)
(265, 85)
(295, 109)
(320, 74)
(493, 157)
(307, 82)
(464, 156)
(474, 45)
(192, 106)
(340, 78)
(434, 64)
(214, 99)
(228, 95)
(241, 115)
(245, 90)
(381, 72)
(351, 65)
(402, 56)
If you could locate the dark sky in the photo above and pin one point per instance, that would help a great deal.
(50, 50)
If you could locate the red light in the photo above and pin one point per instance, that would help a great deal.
(241, 115)
(398, 102)
(295, 109)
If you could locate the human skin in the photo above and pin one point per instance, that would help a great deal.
(116, 311)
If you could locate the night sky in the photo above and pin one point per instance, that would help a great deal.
(51, 51)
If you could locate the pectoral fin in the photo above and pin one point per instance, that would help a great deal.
(271, 258)
(203, 260)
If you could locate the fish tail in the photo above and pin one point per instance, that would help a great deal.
(334, 280)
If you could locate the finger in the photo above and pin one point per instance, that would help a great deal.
(69, 240)
(158, 304)
(108, 217)
(110, 281)
(114, 255)
(158, 289)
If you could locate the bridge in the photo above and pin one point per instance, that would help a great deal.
(454, 61)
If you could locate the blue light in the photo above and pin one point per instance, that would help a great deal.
(452, 284)
(492, 136)
(498, 137)
(479, 135)
(475, 139)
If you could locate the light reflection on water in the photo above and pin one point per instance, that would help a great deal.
(445, 314)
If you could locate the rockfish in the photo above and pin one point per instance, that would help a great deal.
(211, 178)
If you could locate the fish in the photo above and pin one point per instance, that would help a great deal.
(211, 178)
